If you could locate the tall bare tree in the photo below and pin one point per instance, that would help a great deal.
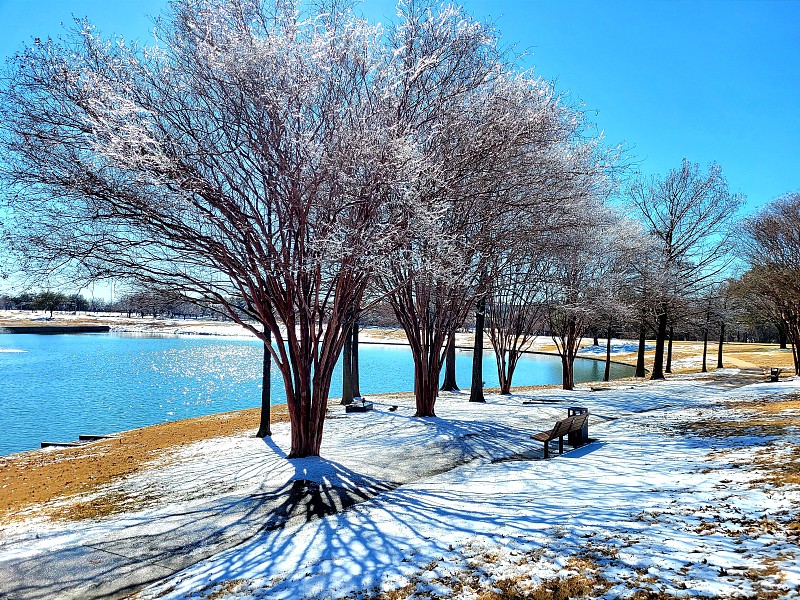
(487, 139)
(690, 213)
(249, 155)
(591, 265)
(516, 306)
(772, 247)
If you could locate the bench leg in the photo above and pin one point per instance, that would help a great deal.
(546, 450)
(561, 445)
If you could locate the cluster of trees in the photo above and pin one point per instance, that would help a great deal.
(141, 303)
(303, 164)
(292, 170)
(771, 285)
(47, 300)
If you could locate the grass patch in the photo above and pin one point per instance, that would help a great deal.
(216, 591)
(105, 505)
(762, 417)
(582, 578)
(31, 480)
(756, 427)
(780, 466)
(768, 406)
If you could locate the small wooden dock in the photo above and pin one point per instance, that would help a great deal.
(83, 439)
(55, 329)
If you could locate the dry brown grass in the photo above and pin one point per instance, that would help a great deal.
(31, 479)
(752, 426)
(778, 468)
(582, 579)
(761, 417)
(769, 406)
(102, 505)
(220, 590)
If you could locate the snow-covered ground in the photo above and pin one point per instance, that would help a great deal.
(463, 505)
(618, 348)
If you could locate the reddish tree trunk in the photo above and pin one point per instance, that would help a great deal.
(568, 353)
(567, 373)
(507, 374)
(426, 388)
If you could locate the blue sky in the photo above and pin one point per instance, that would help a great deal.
(709, 81)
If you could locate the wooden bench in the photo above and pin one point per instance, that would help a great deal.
(564, 427)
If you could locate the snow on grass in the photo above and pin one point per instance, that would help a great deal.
(650, 509)
(618, 347)
(465, 508)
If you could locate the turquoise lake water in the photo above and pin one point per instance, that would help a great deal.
(55, 387)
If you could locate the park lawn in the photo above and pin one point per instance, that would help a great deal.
(690, 489)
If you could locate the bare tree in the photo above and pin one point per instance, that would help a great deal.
(487, 139)
(516, 311)
(591, 266)
(772, 246)
(249, 155)
(690, 213)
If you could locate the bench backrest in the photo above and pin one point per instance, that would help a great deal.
(578, 421)
(561, 428)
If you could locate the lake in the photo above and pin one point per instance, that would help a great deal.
(55, 387)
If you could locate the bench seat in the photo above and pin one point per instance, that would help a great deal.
(559, 430)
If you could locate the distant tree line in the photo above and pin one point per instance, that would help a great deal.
(140, 304)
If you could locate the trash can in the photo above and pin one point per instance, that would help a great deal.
(580, 437)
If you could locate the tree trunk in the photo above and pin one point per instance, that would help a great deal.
(596, 341)
(782, 337)
(476, 391)
(266, 369)
(308, 419)
(668, 369)
(640, 371)
(449, 384)
(705, 349)
(505, 381)
(570, 341)
(347, 369)
(796, 356)
(661, 336)
(426, 390)
(721, 341)
(354, 363)
(607, 372)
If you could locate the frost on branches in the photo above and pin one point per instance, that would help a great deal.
(246, 161)
(276, 165)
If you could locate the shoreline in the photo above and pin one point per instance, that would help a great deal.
(41, 475)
